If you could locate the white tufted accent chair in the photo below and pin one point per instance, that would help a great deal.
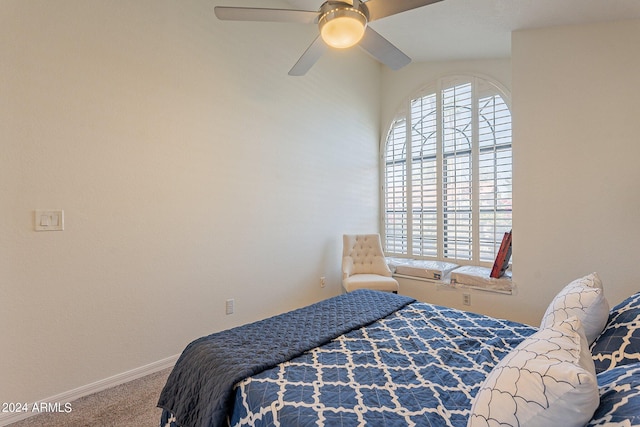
(364, 265)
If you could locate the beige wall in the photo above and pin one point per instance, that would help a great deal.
(576, 151)
(574, 103)
(190, 168)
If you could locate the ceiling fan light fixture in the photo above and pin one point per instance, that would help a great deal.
(342, 27)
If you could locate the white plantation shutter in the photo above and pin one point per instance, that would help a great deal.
(395, 189)
(447, 173)
(424, 177)
(457, 141)
(494, 174)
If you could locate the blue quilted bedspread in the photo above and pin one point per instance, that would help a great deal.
(199, 391)
(420, 366)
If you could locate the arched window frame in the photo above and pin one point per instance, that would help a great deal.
(460, 216)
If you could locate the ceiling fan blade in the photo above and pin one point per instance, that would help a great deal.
(308, 58)
(381, 8)
(382, 49)
(266, 15)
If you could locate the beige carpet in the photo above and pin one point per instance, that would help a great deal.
(132, 404)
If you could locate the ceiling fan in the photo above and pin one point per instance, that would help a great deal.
(342, 24)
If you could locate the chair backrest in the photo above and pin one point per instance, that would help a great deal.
(362, 254)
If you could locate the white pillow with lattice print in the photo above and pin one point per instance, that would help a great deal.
(547, 380)
(583, 298)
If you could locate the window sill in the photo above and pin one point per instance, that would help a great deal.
(451, 275)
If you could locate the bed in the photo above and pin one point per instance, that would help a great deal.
(381, 359)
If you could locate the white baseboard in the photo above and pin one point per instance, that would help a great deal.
(71, 395)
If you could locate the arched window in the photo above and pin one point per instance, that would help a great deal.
(447, 173)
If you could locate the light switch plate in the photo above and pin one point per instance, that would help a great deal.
(49, 220)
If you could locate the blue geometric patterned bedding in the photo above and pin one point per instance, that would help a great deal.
(619, 397)
(421, 365)
(199, 390)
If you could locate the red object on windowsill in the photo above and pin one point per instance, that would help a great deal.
(501, 263)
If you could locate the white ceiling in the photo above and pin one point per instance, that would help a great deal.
(471, 29)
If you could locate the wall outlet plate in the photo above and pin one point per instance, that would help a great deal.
(466, 299)
(229, 306)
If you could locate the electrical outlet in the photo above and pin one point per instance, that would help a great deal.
(229, 306)
(323, 282)
(466, 299)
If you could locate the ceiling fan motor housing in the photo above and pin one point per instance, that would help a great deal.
(341, 24)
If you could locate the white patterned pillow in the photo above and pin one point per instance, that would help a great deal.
(547, 380)
(583, 298)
